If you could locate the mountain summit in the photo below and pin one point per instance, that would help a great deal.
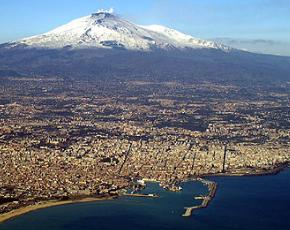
(105, 29)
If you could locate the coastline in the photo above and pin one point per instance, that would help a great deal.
(274, 171)
(51, 203)
(46, 204)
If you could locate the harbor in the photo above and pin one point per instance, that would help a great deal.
(173, 186)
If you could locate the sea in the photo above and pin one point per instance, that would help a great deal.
(241, 203)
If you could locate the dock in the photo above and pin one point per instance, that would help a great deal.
(212, 187)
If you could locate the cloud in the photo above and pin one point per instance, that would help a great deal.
(267, 46)
(109, 11)
(249, 41)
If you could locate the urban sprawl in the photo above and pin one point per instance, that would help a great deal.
(62, 139)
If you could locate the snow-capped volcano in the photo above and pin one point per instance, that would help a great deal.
(103, 45)
(104, 29)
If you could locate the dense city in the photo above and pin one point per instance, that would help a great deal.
(63, 139)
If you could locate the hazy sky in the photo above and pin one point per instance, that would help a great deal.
(237, 19)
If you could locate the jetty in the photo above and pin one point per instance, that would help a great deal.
(212, 187)
(143, 195)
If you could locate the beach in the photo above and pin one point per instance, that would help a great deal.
(46, 204)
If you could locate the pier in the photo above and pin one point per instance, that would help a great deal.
(212, 187)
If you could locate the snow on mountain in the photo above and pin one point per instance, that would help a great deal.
(104, 29)
(182, 40)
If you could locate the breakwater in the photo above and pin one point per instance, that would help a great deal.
(212, 187)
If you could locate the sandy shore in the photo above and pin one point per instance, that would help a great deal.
(46, 204)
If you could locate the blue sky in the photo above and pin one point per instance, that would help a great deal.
(239, 19)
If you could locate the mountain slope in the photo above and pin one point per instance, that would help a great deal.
(105, 46)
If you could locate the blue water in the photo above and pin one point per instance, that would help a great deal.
(241, 203)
